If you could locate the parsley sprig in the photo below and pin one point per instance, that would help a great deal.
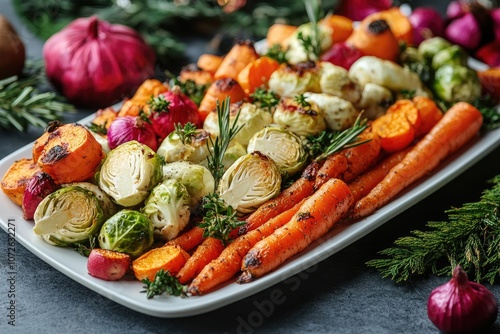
(163, 283)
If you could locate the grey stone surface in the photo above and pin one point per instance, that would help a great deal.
(339, 295)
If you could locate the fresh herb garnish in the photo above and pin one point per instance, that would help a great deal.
(227, 132)
(312, 42)
(185, 132)
(301, 101)
(99, 129)
(158, 104)
(328, 144)
(84, 248)
(163, 283)
(192, 90)
(408, 94)
(491, 112)
(277, 53)
(219, 219)
(266, 99)
(317, 144)
(470, 238)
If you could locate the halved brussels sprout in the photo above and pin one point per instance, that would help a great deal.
(280, 145)
(196, 150)
(233, 153)
(251, 117)
(128, 231)
(69, 215)
(301, 119)
(335, 80)
(249, 182)
(168, 208)
(453, 55)
(129, 172)
(197, 179)
(454, 83)
(108, 207)
(291, 80)
(429, 47)
(296, 53)
(339, 113)
(375, 100)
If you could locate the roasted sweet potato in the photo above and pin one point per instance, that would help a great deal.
(209, 62)
(241, 54)
(196, 74)
(169, 258)
(68, 153)
(104, 117)
(16, 179)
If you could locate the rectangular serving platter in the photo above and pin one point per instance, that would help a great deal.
(128, 293)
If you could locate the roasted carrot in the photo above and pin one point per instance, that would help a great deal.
(429, 112)
(400, 25)
(68, 153)
(364, 183)
(134, 105)
(209, 62)
(278, 34)
(169, 258)
(16, 179)
(104, 117)
(299, 190)
(341, 27)
(241, 54)
(257, 74)
(333, 167)
(218, 91)
(315, 217)
(188, 240)
(375, 39)
(490, 81)
(194, 73)
(458, 125)
(228, 263)
(209, 249)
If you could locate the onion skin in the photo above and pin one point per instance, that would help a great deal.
(464, 31)
(426, 22)
(461, 306)
(94, 63)
(495, 15)
(38, 187)
(128, 128)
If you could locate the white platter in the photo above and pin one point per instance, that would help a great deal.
(127, 293)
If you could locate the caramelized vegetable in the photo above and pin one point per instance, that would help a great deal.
(399, 23)
(169, 258)
(241, 54)
(278, 34)
(133, 106)
(194, 73)
(210, 63)
(218, 91)
(16, 179)
(375, 39)
(341, 27)
(256, 74)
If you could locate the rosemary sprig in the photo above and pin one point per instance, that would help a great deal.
(227, 131)
(163, 283)
(185, 132)
(265, 99)
(219, 219)
(21, 104)
(312, 42)
(470, 238)
(329, 143)
(96, 128)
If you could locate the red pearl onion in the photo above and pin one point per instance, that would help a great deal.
(128, 128)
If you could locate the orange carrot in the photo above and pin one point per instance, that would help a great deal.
(257, 74)
(341, 27)
(334, 166)
(400, 25)
(206, 252)
(394, 128)
(228, 263)
(209, 62)
(315, 217)
(104, 117)
(299, 190)
(429, 113)
(194, 73)
(458, 125)
(241, 54)
(188, 240)
(218, 91)
(363, 184)
(150, 87)
(278, 34)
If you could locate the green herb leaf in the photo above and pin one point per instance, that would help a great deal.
(277, 53)
(312, 42)
(265, 99)
(84, 248)
(185, 132)
(301, 100)
(191, 89)
(99, 129)
(163, 283)
(158, 104)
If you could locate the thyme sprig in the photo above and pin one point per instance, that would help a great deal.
(277, 53)
(163, 283)
(227, 132)
(265, 99)
(186, 132)
(158, 104)
(301, 100)
(326, 144)
(470, 237)
(219, 219)
(191, 89)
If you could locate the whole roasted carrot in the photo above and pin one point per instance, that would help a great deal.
(458, 125)
(209, 249)
(315, 217)
(188, 240)
(299, 190)
(241, 54)
(228, 263)
(364, 183)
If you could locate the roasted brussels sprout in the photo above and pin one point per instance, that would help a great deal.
(128, 231)
(69, 215)
(453, 55)
(168, 208)
(251, 117)
(281, 146)
(339, 113)
(335, 80)
(195, 150)
(300, 117)
(429, 47)
(129, 172)
(108, 207)
(296, 53)
(291, 80)
(249, 182)
(197, 179)
(454, 83)
(233, 153)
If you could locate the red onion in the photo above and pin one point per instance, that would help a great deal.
(464, 31)
(127, 128)
(38, 187)
(495, 15)
(455, 9)
(342, 54)
(357, 10)
(460, 306)
(94, 63)
(180, 110)
(426, 22)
